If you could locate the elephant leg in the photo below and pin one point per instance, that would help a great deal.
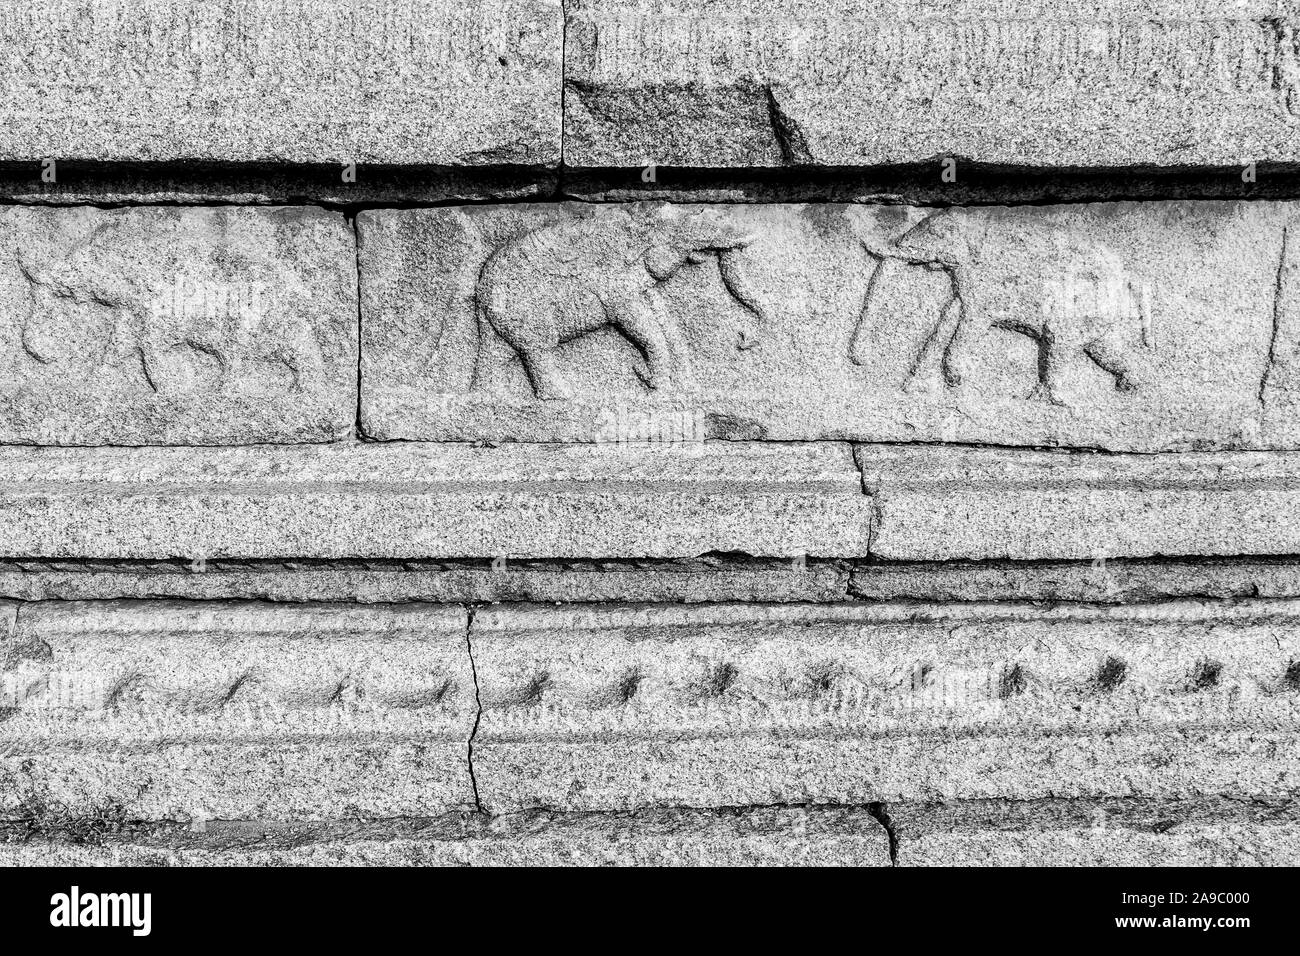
(1054, 357)
(1112, 358)
(969, 326)
(939, 340)
(550, 384)
(635, 319)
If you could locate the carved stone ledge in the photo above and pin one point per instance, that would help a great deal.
(431, 501)
(619, 708)
(935, 504)
(231, 710)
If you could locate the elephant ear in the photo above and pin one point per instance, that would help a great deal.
(662, 261)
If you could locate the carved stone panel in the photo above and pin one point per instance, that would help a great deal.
(1058, 83)
(202, 326)
(1123, 326)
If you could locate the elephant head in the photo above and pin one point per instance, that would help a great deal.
(945, 239)
(678, 237)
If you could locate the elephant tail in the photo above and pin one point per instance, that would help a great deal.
(483, 334)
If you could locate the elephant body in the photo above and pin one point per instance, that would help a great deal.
(561, 281)
(95, 309)
(1074, 298)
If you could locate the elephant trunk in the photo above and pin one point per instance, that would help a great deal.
(733, 278)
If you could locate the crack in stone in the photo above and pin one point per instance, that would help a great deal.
(880, 810)
(790, 139)
(1271, 360)
(471, 610)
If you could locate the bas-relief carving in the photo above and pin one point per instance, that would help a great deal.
(171, 325)
(1106, 325)
(97, 308)
(1083, 305)
(559, 282)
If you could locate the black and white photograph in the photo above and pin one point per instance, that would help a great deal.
(645, 434)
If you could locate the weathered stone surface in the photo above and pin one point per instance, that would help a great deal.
(233, 710)
(432, 501)
(1122, 326)
(733, 705)
(1057, 83)
(1102, 581)
(715, 578)
(940, 504)
(289, 81)
(1190, 832)
(758, 836)
(176, 326)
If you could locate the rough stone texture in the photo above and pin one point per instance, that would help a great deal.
(287, 81)
(1190, 832)
(711, 579)
(939, 504)
(757, 836)
(1057, 83)
(430, 501)
(234, 711)
(1122, 326)
(176, 326)
(601, 709)
(1101, 581)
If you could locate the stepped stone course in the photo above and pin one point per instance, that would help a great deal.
(432, 501)
(596, 432)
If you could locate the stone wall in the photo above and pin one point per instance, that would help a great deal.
(518, 432)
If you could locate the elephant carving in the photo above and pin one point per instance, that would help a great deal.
(95, 309)
(1073, 297)
(565, 280)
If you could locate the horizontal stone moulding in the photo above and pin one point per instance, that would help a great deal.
(228, 710)
(789, 502)
(187, 326)
(1140, 327)
(289, 81)
(965, 833)
(693, 581)
(938, 504)
(619, 708)
(1100, 580)
(1180, 832)
(434, 501)
(749, 836)
(1051, 83)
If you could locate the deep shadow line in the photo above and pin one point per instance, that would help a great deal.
(385, 186)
